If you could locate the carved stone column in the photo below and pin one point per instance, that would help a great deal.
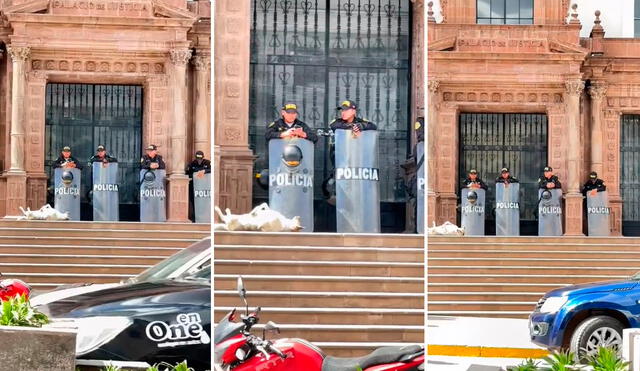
(202, 118)
(178, 198)
(597, 92)
(573, 198)
(431, 122)
(16, 176)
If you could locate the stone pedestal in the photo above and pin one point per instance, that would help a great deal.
(432, 207)
(38, 349)
(573, 214)
(16, 192)
(178, 198)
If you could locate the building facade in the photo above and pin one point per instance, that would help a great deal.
(81, 73)
(526, 84)
(315, 54)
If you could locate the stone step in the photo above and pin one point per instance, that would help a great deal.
(328, 299)
(507, 287)
(540, 245)
(159, 241)
(533, 240)
(355, 349)
(330, 268)
(535, 270)
(66, 278)
(150, 251)
(440, 296)
(29, 259)
(319, 239)
(102, 233)
(130, 269)
(319, 283)
(499, 255)
(88, 225)
(350, 333)
(480, 306)
(520, 277)
(312, 253)
(542, 263)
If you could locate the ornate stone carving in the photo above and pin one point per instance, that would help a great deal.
(598, 91)
(433, 85)
(574, 87)
(19, 53)
(201, 62)
(180, 57)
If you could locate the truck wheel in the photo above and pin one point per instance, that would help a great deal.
(596, 332)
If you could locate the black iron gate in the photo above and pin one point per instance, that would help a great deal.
(318, 53)
(83, 116)
(491, 141)
(630, 174)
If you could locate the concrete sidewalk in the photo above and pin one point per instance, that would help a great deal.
(480, 337)
(443, 363)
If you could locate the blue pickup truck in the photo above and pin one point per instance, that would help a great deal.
(587, 316)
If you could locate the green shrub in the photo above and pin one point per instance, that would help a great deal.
(561, 361)
(607, 359)
(526, 365)
(17, 311)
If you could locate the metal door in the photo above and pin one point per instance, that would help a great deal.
(630, 174)
(318, 53)
(84, 116)
(491, 141)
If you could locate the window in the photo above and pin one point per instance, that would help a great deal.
(506, 11)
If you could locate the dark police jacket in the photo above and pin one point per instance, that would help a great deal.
(60, 161)
(478, 181)
(106, 158)
(510, 179)
(589, 186)
(145, 162)
(277, 127)
(542, 182)
(194, 167)
(363, 124)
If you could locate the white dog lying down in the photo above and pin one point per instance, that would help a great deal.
(447, 228)
(261, 218)
(46, 212)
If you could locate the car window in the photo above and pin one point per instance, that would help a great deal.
(202, 274)
(167, 267)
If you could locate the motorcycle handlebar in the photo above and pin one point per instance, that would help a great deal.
(276, 350)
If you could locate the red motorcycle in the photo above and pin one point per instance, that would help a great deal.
(237, 349)
(9, 288)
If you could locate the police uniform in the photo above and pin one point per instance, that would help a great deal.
(106, 158)
(468, 182)
(542, 181)
(194, 167)
(590, 185)
(146, 161)
(508, 180)
(61, 161)
(359, 124)
(276, 128)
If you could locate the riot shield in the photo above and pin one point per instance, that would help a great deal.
(420, 188)
(550, 213)
(152, 196)
(507, 209)
(357, 182)
(105, 191)
(202, 198)
(67, 191)
(598, 214)
(291, 179)
(472, 211)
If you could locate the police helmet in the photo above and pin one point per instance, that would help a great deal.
(292, 155)
(149, 176)
(472, 196)
(546, 194)
(67, 177)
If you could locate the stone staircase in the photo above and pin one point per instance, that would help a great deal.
(349, 294)
(48, 254)
(505, 276)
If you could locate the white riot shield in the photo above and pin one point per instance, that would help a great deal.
(472, 212)
(598, 214)
(357, 177)
(420, 186)
(67, 191)
(290, 185)
(507, 209)
(202, 198)
(105, 191)
(152, 196)
(550, 213)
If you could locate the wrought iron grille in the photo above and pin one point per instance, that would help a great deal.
(83, 116)
(318, 53)
(629, 174)
(491, 141)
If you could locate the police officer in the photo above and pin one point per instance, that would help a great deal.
(289, 126)
(199, 166)
(593, 185)
(473, 181)
(101, 156)
(505, 177)
(152, 160)
(349, 120)
(419, 128)
(65, 160)
(548, 180)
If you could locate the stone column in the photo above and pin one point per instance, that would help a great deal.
(17, 176)
(431, 122)
(573, 197)
(597, 92)
(178, 198)
(202, 64)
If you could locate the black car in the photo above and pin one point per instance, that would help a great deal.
(152, 322)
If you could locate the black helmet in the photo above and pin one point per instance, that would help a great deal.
(472, 196)
(546, 194)
(67, 177)
(292, 155)
(149, 176)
